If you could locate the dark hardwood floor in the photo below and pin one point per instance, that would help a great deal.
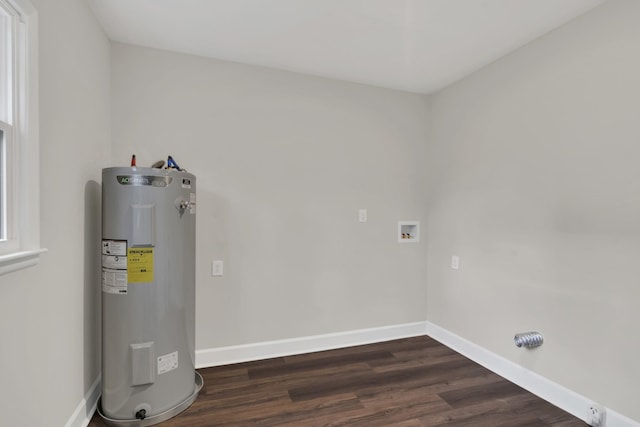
(404, 383)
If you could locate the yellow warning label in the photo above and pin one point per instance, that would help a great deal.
(140, 265)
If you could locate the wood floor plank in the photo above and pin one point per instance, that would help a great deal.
(421, 375)
(412, 382)
(405, 390)
(299, 413)
(481, 393)
(329, 360)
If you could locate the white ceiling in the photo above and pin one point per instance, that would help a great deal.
(412, 45)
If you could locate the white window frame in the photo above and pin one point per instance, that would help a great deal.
(21, 248)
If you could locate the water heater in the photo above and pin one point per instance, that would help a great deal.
(148, 295)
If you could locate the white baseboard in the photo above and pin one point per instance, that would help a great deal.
(550, 391)
(264, 350)
(558, 395)
(87, 407)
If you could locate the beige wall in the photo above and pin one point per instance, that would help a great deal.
(284, 161)
(537, 190)
(49, 314)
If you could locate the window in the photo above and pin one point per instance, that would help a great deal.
(19, 168)
(7, 62)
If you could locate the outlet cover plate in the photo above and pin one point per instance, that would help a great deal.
(597, 415)
(217, 268)
(455, 262)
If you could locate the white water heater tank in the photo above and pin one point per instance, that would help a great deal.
(148, 295)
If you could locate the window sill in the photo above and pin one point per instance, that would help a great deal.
(19, 260)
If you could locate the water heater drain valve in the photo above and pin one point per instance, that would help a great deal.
(141, 411)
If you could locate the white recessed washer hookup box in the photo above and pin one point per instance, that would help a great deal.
(408, 231)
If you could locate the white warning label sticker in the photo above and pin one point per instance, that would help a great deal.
(167, 363)
(192, 203)
(114, 247)
(114, 281)
(116, 262)
(114, 266)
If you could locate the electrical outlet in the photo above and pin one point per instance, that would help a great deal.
(362, 215)
(596, 416)
(217, 267)
(455, 262)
